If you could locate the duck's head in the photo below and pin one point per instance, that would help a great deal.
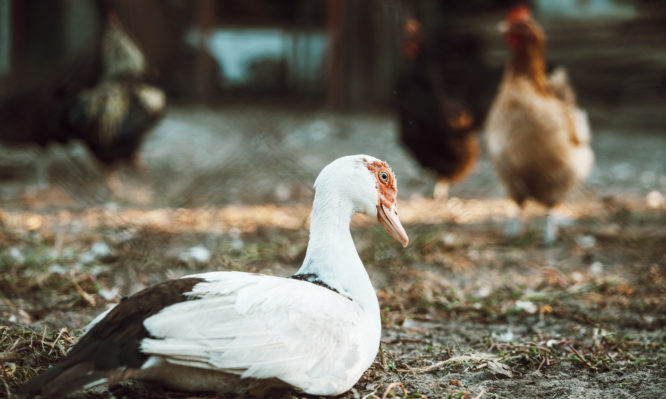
(369, 184)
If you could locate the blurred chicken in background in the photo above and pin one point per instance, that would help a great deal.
(538, 139)
(114, 116)
(441, 99)
(101, 100)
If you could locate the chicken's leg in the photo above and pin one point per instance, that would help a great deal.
(550, 228)
(513, 227)
(136, 162)
(42, 166)
(113, 183)
(441, 190)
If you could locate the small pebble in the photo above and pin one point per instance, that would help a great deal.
(236, 240)
(15, 253)
(596, 268)
(108, 294)
(527, 306)
(506, 336)
(654, 199)
(198, 254)
(57, 269)
(100, 249)
(586, 241)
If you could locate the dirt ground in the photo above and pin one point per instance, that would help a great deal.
(467, 313)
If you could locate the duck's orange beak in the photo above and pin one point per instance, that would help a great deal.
(388, 217)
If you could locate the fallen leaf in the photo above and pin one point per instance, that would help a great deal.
(499, 368)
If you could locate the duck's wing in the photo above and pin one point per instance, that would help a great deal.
(258, 326)
(109, 350)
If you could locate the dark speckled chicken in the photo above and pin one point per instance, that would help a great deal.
(113, 117)
(101, 100)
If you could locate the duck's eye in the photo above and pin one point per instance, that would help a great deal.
(384, 177)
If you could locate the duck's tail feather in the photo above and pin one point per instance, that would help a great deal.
(58, 381)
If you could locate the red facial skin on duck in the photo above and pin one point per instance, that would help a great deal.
(387, 214)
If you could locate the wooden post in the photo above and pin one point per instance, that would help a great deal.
(205, 18)
(5, 38)
(335, 58)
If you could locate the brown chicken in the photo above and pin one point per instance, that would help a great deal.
(437, 119)
(537, 137)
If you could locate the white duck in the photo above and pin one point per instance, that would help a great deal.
(317, 331)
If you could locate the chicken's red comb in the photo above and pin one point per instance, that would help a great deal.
(112, 17)
(518, 13)
(412, 26)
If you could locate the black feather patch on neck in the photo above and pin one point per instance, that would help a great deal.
(314, 279)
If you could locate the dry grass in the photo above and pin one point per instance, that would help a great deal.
(466, 312)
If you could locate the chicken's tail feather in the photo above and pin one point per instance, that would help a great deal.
(559, 85)
(582, 126)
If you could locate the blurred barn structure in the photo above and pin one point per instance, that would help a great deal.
(206, 48)
(340, 52)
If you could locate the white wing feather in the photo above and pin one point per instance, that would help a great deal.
(262, 326)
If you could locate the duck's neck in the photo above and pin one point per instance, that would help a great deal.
(331, 257)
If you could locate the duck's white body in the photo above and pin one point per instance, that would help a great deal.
(317, 332)
(265, 327)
